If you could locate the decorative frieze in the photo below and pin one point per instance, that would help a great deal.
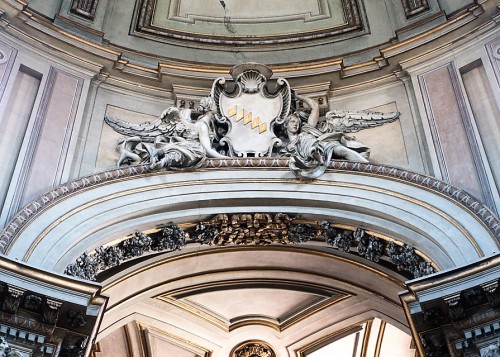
(455, 319)
(85, 8)
(251, 229)
(43, 314)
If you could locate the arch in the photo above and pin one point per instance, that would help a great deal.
(451, 227)
(445, 224)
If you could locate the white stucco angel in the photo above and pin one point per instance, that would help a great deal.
(6, 351)
(172, 140)
(313, 144)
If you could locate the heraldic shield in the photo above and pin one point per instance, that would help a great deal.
(251, 109)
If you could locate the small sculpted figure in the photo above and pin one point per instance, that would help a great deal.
(172, 140)
(6, 351)
(314, 143)
(491, 351)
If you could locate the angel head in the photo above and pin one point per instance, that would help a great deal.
(207, 104)
(292, 124)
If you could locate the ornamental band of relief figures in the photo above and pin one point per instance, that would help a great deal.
(248, 116)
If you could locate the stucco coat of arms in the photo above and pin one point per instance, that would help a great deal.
(251, 115)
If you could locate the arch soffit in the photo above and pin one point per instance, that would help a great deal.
(163, 289)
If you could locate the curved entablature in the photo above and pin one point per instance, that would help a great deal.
(451, 227)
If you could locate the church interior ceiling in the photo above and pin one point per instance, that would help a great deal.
(229, 178)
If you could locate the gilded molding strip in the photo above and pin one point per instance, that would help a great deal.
(414, 7)
(145, 19)
(191, 346)
(461, 197)
(85, 8)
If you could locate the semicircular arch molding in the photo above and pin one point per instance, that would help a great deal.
(90, 215)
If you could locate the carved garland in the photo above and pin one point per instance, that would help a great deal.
(251, 229)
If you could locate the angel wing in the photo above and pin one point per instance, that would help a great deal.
(168, 124)
(352, 121)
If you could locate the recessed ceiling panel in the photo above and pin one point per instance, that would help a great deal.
(248, 23)
(274, 303)
(232, 304)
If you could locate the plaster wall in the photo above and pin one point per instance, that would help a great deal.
(45, 117)
(458, 152)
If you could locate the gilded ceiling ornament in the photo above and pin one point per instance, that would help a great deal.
(253, 349)
(258, 228)
(251, 229)
(249, 117)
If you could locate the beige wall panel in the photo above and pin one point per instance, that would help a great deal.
(486, 114)
(114, 345)
(14, 122)
(449, 133)
(54, 127)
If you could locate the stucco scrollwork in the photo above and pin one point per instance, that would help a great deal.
(3, 57)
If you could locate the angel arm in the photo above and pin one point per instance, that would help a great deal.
(314, 116)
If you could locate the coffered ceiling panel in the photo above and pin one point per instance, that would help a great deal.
(278, 304)
(252, 22)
